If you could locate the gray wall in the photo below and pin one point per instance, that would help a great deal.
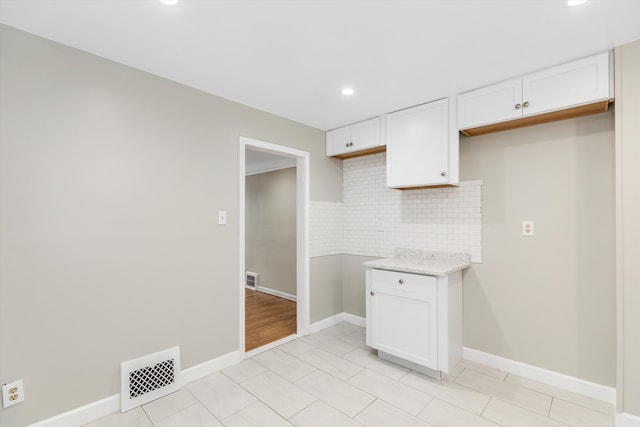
(547, 300)
(326, 295)
(110, 183)
(628, 206)
(270, 229)
(353, 295)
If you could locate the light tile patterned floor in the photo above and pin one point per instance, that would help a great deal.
(331, 379)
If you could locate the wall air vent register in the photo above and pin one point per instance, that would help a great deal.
(149, 377)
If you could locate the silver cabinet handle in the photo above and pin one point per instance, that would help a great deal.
(526, 104)
(401, 281)
(351, 144)
(347, 145)
(518, 106)
(372, 293)
(443, 173)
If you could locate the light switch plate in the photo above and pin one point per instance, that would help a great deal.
(528, 229)
(222, 217)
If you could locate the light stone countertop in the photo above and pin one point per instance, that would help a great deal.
(423, 262)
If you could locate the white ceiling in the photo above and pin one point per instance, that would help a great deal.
(261, 161)
(292, 58)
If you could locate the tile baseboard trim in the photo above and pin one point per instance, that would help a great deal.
(334, 320)
(555, 379)
(110, 405)
(623, 419)
(277, 293)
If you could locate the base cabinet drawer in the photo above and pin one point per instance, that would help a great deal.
(412, 285)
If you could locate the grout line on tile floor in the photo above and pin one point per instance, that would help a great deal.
(485, 406)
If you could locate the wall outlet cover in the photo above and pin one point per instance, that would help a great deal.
(12, 393)
(528, 229)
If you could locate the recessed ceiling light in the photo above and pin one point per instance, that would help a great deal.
(169, 2)
(575, 2)
(348, 91)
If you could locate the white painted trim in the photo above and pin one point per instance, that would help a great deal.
(84, 414)
(303, 265)
(212, 366)
(271, 345)
(241, 243)
(620, 224)
(325, 323)
(623, 419)
(276, 293)
(335, 319)
(353, 319)
(555, 379)
(111, 405)
(302, 233)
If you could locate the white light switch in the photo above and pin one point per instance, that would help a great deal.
(222, 217)
(528, 229)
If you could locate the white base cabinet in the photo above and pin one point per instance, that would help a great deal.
(415, 320)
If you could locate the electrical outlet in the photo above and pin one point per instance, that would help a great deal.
(528, 229)
(12, 393)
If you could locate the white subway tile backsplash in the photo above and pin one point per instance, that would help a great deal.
(326, 228)
(373, 220)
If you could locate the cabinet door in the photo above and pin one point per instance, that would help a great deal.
(366, 134)
(337, 141)
(491, 104)
(405, 326)
(418, 145)
(568, 85)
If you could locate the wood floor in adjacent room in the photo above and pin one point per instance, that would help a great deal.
(267, 318)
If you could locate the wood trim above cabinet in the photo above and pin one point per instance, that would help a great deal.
(569, 113)
(374, 150)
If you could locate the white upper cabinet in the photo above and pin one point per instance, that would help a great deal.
(573, 85)
(490, 104)
(358, 139)
(576, 83)
(422, 145)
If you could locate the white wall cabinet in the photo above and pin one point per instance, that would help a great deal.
(422, 145)
(357, 139)
(588, 81)
(415, 320)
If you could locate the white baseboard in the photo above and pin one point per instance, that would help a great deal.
(334, 320)
(84, 414)
(209, 367)
(566, 382)
(353, 319)
(325, 323)
(277, 293)
(111, 405)
(626, 420)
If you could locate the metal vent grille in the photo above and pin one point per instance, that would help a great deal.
(149, 377)
(252, 280)
(152, 378)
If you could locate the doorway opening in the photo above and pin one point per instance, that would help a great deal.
(273, 224)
